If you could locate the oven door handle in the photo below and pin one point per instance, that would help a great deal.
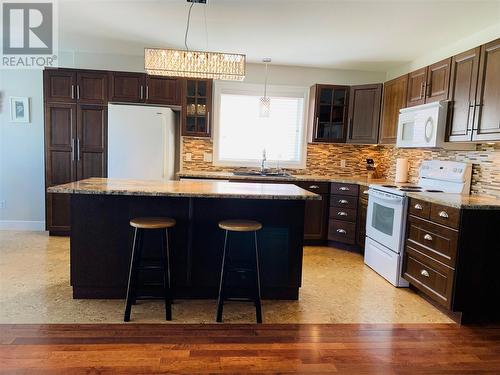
(384, 197)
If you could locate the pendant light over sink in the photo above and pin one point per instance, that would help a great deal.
(265, 101)
(194, 64)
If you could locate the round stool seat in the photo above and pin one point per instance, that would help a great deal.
(152, 222)
(240, 225)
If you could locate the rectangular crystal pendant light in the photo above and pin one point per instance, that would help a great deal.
(194, 64)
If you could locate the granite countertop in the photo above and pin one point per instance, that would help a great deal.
(361, 180)
(470, 202)
(190, 189)
(478, 202)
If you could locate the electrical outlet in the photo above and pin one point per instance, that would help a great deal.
(3, 204)
(343, 163)
(188, 156)
(207, 157)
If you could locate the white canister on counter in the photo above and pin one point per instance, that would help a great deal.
(401, 170)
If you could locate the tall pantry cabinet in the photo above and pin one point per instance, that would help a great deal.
(75, 135)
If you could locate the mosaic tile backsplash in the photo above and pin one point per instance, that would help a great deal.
(325, 159)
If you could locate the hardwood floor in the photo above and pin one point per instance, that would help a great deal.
(230, 348)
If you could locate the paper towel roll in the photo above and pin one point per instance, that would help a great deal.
(401, 170)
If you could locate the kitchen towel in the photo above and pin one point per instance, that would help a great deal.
(401, 170)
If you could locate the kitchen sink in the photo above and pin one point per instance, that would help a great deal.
(262, 174)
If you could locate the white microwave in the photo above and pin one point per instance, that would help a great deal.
(425, 126)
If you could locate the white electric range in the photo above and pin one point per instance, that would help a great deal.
(387, 209)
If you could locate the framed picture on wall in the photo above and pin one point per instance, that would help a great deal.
(19, 109)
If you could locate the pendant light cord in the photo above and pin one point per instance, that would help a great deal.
(265, 83)
(187, 26)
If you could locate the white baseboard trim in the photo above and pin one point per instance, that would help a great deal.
(22, 225)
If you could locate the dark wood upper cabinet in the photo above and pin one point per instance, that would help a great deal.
(92, 87)
(416, 87)
(328, 109)
(364, 113)
(127, 87)
(197, 107)
(163, 90)
(92, 140)
(394, 98)
(438, 81)
(59, 85)
(463, 84)
(487, 106)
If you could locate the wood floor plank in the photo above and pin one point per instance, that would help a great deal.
(285, 349)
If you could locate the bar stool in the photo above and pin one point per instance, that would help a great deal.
(141, 224)
(239, 226)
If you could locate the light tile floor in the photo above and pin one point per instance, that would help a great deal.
(337, 288)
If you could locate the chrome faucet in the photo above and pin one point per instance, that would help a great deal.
(263, 162)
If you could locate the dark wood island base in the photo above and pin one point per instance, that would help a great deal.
(101, 242)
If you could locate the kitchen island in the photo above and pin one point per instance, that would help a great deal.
(101, 236)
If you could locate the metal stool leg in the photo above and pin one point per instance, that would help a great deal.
(166, 275)
(133, 272)
(258, 308)
(220, 301)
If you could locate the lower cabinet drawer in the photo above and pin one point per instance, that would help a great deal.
(342, 231)
(346, 214)
(430, 277)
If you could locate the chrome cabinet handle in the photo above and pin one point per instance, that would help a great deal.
(72, 148)
(72, 91)
(443, 214)
(343, 201)
(418, 206)
(342, 231)
(314, 187)
(428, 237)
(208, 122)
(78, 91)
(142, 92)
(344, 188)
(78, 149)
(366, 192)
(424, 273)
(342, 213)
(147, 91)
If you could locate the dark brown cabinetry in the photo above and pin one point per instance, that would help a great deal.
(328, 109)
(127, 87)
(394, 98)
(316, 212)
(429, 84)
(197, 108)
(416, 87)
(463, 84)
(364, 114)
(487, 116)
(75, 135)
(343, 213)
(163, 90)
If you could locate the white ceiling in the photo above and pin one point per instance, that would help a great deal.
(366, 35)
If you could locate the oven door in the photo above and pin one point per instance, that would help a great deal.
(385, 219)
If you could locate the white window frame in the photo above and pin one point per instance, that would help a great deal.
(241, 88)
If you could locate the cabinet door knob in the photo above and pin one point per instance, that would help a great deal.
(443, 214)
(314, 187)
(344, 188)
(428, 237)
(418, 207)
(424, 273)
(341, 231)
(343, 201)
(342, 213)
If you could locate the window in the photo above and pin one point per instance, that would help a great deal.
(241, 135)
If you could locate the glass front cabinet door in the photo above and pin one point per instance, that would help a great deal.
(329, 103)
(197, 108)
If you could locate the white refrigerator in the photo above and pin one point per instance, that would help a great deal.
(141, 142)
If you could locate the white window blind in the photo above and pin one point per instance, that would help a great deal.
(242, 134)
